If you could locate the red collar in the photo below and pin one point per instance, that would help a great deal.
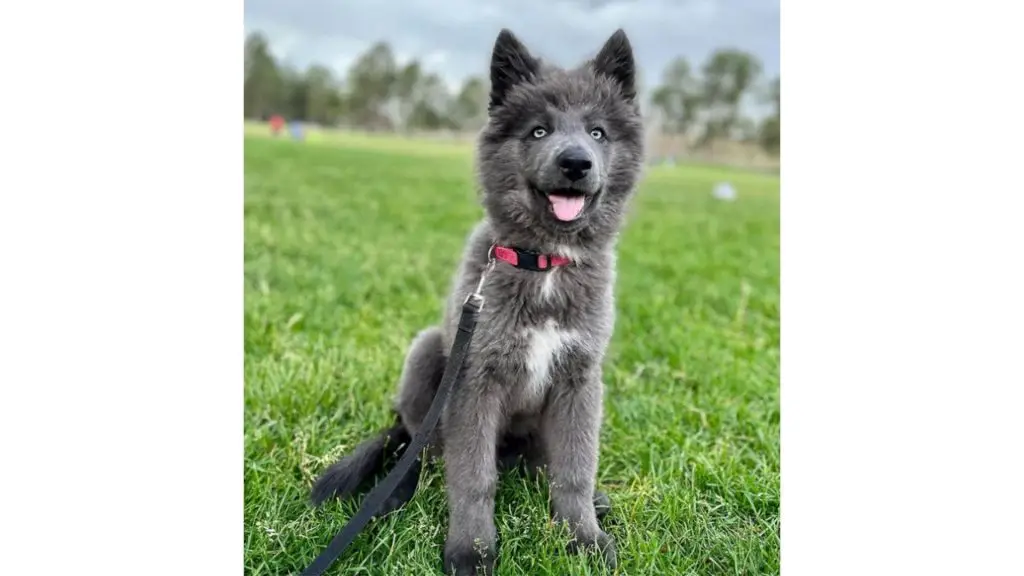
(529, 260)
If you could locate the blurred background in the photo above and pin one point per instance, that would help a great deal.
(709, 69)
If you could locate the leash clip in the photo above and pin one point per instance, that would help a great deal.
(477, 295)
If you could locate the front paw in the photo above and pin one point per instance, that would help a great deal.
(461, 560)
(602, 542)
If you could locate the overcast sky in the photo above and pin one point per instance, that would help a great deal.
(454, 37)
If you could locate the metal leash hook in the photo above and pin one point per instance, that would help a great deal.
(477, 295)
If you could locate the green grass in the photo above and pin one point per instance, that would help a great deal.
(336, 285)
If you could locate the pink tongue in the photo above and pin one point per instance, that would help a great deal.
(566, 207)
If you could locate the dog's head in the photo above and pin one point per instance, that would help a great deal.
(563, 149)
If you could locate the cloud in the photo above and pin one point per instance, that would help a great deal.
(454, 37)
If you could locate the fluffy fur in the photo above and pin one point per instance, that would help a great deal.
(531, 391)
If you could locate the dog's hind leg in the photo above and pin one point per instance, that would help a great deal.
(424, 366)
(421, 375)
(404, 491)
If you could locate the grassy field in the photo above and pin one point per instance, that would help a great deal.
(336, 285)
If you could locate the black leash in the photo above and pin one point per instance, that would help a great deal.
(467, 323)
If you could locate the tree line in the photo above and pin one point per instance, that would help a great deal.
(376, 93)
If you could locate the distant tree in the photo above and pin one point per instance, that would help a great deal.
(313, 95)
(678, 97)
(322, 98)
(371, 84)
(430, 105)
(263, 91)
(468, 110)
(403, 95)
(294, 93)
(727, 75)
(770, 130)
(745, 130)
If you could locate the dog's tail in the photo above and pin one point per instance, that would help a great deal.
(371, 457)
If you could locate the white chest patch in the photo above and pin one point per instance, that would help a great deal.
(547, 286)
(546, 345)
(550, 282)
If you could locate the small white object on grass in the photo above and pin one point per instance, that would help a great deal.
(724, 191)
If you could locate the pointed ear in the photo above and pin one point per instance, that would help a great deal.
(511, 64)
(616, 61)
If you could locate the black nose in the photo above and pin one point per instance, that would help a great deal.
(575, 163)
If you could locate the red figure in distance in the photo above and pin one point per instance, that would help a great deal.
(276, 124)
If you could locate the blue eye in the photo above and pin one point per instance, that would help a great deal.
(539, 132)
(597, 134)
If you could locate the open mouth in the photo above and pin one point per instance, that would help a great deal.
(566, 205)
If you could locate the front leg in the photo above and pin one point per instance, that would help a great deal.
(471, 476)
(569, 434)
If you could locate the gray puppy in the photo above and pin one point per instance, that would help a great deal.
(558, 161)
